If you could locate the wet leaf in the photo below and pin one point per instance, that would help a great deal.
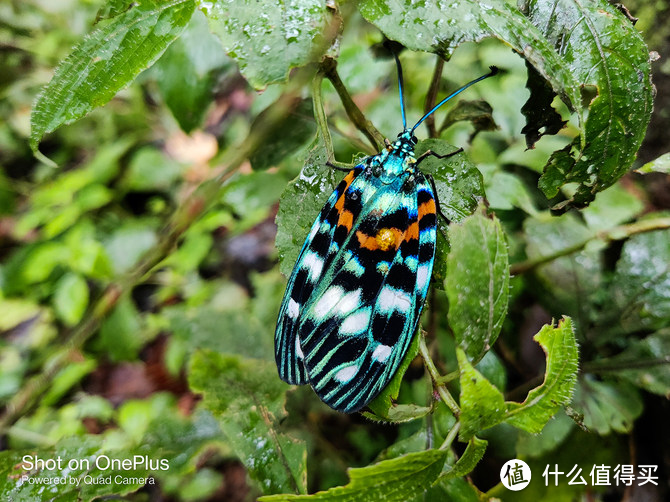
(477, 283)
(440, 27)
(605, 52)
(248, 399)
(607, 406)
(187, 72)
(641, 284)
(268, 38)
(397, 479)
(482, 404)
(543, 402)
(107, 60)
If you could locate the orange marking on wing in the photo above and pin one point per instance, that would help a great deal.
(412, 231)
(385, 239)
(339, 205)
(346, 219)
(427, 207)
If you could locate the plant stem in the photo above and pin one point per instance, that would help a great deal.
(614, 234)
(451, 436)
(435, 376)
(431, 96)
(329, 68)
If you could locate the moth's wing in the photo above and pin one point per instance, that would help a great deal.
(361, 320)
(321, 245)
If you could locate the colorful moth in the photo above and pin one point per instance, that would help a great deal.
(353, 301)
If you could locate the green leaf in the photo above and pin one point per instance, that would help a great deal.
(248, 399)
(553, 434)
(70, 298)
(571, 280)
(641, 284)
(268, 38)
(658, 165)
(187, 73)
(106, 61)
(645, 363)
(482, 404)
(440, 27)
(398, 479)
(477, 283)
(607, 54)
(543, 402)
(469, 459)
(612, 207)
(607, 406)
(66, 378)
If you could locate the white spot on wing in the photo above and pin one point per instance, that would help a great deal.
(381, 353)
(298, 350)
(314, 264)
(293, 309)
(328, 301)
(356, 323)
(315, 230)
(391, 299)
(346, 373)
(349, 302)
(422, 277)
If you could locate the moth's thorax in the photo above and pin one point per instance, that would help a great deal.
(396, 159)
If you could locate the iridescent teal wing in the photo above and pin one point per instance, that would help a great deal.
(362, 315)
(324, 240)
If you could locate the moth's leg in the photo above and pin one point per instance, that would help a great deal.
(339, 166)
(437, 199)
(433, 154)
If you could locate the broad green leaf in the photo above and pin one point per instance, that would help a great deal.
(605, 53)
(543, 402)
(439, 27)
(150, 169)
(384, 407)
(398, 479)
(248, 399)
(570, 280)
(268, 38)
(607, 406)
(107, 60)
(659, 165)
(70, 298)
(645, 363)
(294, 131)
(66, 378)
(187, 73)
(128, 242)
(469, 459)
(641, 283)
(477, 283)
(482, 404)
(450, 489)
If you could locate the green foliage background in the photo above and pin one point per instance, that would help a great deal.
(147, 149)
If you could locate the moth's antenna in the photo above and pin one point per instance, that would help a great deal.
(493, 71)
(402, 97)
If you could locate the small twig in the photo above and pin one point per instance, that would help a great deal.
(329, 68)
(442, 390)
(614, 234)
(451, 436)
(431, 96)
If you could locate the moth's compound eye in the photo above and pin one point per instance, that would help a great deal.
(377, 170)
(414, 140)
